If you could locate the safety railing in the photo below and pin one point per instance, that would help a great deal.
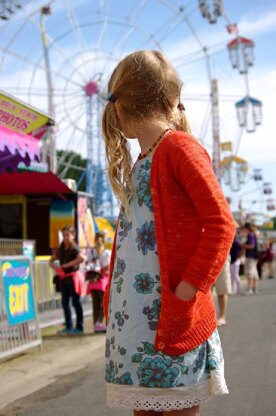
(49, 304)
(46, 296)
(11, 247)
(19, 329)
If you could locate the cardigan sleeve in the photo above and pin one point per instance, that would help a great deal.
(193, 170)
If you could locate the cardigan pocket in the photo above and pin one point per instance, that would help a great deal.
(178, 316)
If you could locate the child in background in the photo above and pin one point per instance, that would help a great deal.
(99, 259)
(174, 233)
(71, 280)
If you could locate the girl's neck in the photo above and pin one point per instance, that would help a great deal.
(149, 132)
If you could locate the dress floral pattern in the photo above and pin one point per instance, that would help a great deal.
(134, 308)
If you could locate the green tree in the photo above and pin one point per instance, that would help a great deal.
(74, 166)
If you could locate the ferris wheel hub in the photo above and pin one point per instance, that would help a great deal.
(91, 88)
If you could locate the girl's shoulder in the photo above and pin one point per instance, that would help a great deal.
(180, 141)
(179, 146)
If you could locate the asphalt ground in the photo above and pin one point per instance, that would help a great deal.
(66, 377)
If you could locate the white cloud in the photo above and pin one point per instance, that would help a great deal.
(257, 26)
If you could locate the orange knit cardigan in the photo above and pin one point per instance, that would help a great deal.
(194, 232)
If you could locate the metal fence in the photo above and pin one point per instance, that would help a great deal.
(46, 296)
(9, 247)
(48, 301)
(19, 329)
(49, 304)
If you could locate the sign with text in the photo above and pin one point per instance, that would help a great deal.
(18, 290)
(19, 116)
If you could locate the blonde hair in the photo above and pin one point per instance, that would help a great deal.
(144, 85)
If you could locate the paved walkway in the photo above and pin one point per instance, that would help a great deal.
(66, 377)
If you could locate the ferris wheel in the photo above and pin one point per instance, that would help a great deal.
(58, 56)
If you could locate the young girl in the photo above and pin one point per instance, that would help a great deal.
(99, 258)
(163, 352)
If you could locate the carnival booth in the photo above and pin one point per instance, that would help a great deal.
(34, 202)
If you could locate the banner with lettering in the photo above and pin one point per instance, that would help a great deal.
(18, 290)
(22, 117)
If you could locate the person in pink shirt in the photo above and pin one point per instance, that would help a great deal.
(98, 271)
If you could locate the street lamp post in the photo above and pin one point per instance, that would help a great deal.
(49, 148)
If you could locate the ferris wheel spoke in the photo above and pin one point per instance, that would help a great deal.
(15, 36)
(238, 140)
(53, 44)
(103, 7)
(57, 73)
(77, 95)
(137, 6)
(76, 30)
(172, 26)
(35, 64)
(163, 30)
(68, 146)
(65, 170)
(71, 100)
(186, 20)
(67, 115)
(123, 37)
(205, 123)
(73, 109)
(74, 105)
(102, 34)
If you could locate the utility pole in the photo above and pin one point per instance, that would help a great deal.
(216, 129)
(49, 148)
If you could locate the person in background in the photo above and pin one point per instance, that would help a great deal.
(66, 263)
(266, 257)
(223, 289)
(175, 230)
(235, 254)
(269, 260)
(98, 261)
(251, 258)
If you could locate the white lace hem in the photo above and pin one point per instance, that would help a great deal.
(165, 399)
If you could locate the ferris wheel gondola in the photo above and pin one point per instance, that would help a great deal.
(270, 205)
(249, 113)
(211, 12)
(241, 53)
(267, 188)
(234, 171)
(257, 175)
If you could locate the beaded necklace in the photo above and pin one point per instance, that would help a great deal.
(142, 155)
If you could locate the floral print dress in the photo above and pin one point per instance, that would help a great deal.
(137, 376)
